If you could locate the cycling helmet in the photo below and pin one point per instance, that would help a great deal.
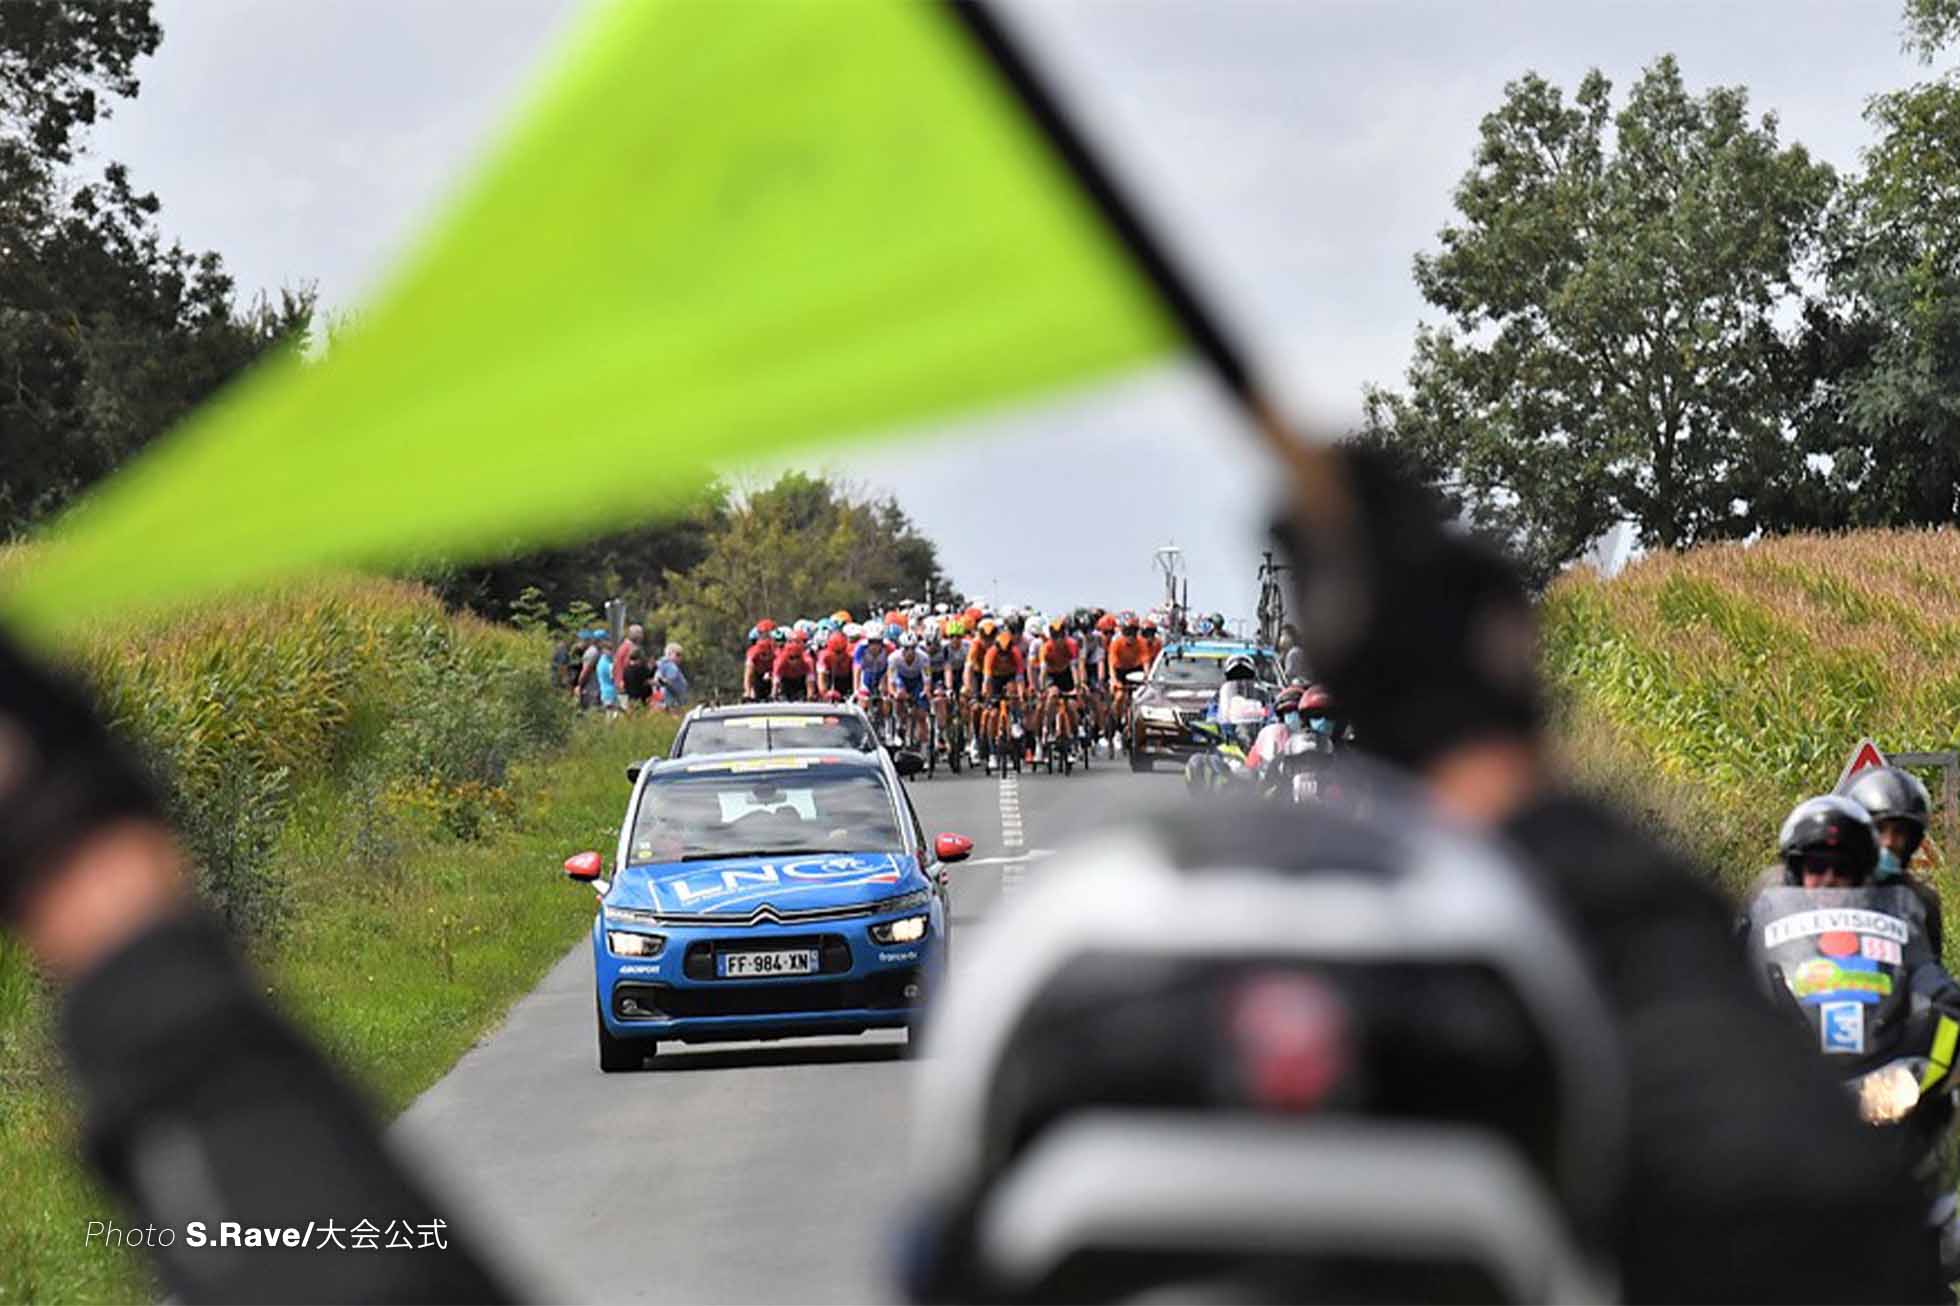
(838, 643)
(1830, 832)
(755, 633)
(932, 637)
(778, 634)
(1292, 698)
(908, 640)
(1314, 700)
(766, 625)
(1014, 623)
(987, 627)
(1149, 627)
(1057, 626)
(802, 626)
(874, 631)
(1890, 794)
(1106, 624)
(955, 628)
(853, 631)
(841, 617)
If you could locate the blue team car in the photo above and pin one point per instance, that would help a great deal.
(764, 895)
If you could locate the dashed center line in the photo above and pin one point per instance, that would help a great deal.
(1012, 836)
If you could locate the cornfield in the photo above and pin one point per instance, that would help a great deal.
(1719, 686)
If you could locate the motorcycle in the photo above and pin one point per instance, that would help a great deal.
(1857, 965)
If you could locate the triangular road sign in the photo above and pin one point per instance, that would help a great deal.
(1863, 758)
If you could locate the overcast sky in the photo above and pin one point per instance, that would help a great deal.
(1301, 153)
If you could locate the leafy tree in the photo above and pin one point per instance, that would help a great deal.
(801, 547)
(629, 564)
(1931, 25)
(107, 335)
(1613, 286)
(1884, 349)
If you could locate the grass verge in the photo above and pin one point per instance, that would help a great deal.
(396, 960)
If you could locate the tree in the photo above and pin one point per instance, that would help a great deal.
(1930, 26)
(107, 336)
(1885, 362)
(802, 547)
(1613, 287)
(630, 564)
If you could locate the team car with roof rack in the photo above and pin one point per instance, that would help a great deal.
(763, 895)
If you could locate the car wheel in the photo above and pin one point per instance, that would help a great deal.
(619, 1054)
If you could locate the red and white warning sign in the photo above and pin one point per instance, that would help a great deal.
(1863, 758)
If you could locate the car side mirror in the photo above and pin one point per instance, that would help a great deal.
(585, 867)
(633, 774)
(908, 764)
(952, 847)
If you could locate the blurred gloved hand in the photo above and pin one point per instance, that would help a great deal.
(1423, 632)
(63, 776)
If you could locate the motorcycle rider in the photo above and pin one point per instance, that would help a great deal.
(1899, 807)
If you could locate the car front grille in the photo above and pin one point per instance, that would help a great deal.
(887, 991)
(833, 953)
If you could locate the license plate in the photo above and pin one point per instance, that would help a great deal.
(742, 965)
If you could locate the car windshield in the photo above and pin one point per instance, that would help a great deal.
(1185, 671)
(738, 734)
(740, 810)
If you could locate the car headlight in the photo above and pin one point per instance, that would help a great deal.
(1887, 1095)
(904, 902)
(631, 916)
(906, 929)
(624, 943)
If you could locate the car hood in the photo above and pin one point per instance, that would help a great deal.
(739, 885)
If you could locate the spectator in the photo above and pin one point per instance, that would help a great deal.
(673, 684)
(603, 673)
(632, 672)
(1292, 658)
(561, 663)
(586, 688)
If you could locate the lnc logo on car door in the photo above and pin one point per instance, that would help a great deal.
(737, 882)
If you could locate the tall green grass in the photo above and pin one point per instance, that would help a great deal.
(1713, 689)
(377, 794)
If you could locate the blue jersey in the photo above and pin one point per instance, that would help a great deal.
(871, 658)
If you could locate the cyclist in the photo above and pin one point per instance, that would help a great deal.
(792, 670)
(939, 661)
(1127, 664)
(871, 658)
(835, 668)
(907, 687)
(1153, 643)
(975, 680)
(1004, 669)
(1055, 671)
(758, 664)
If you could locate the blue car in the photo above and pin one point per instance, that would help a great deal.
(764, 895)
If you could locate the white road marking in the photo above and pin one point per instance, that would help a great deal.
(1012, 834)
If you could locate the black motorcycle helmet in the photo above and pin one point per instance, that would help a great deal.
(1890, 795)
(1241, 667)
(1832, 834)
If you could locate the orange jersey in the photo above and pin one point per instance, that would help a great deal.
(1127, 654)
(1003, 662)
(1151, 648)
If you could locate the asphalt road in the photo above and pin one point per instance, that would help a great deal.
(740, 1172)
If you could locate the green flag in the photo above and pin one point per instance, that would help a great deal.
(724, 231)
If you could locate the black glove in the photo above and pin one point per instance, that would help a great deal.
(1423, 633)
(62, 775)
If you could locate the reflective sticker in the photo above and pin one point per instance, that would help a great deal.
(1881, 950)
(1841, 1027)
(639, 970)
(1803, 924)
